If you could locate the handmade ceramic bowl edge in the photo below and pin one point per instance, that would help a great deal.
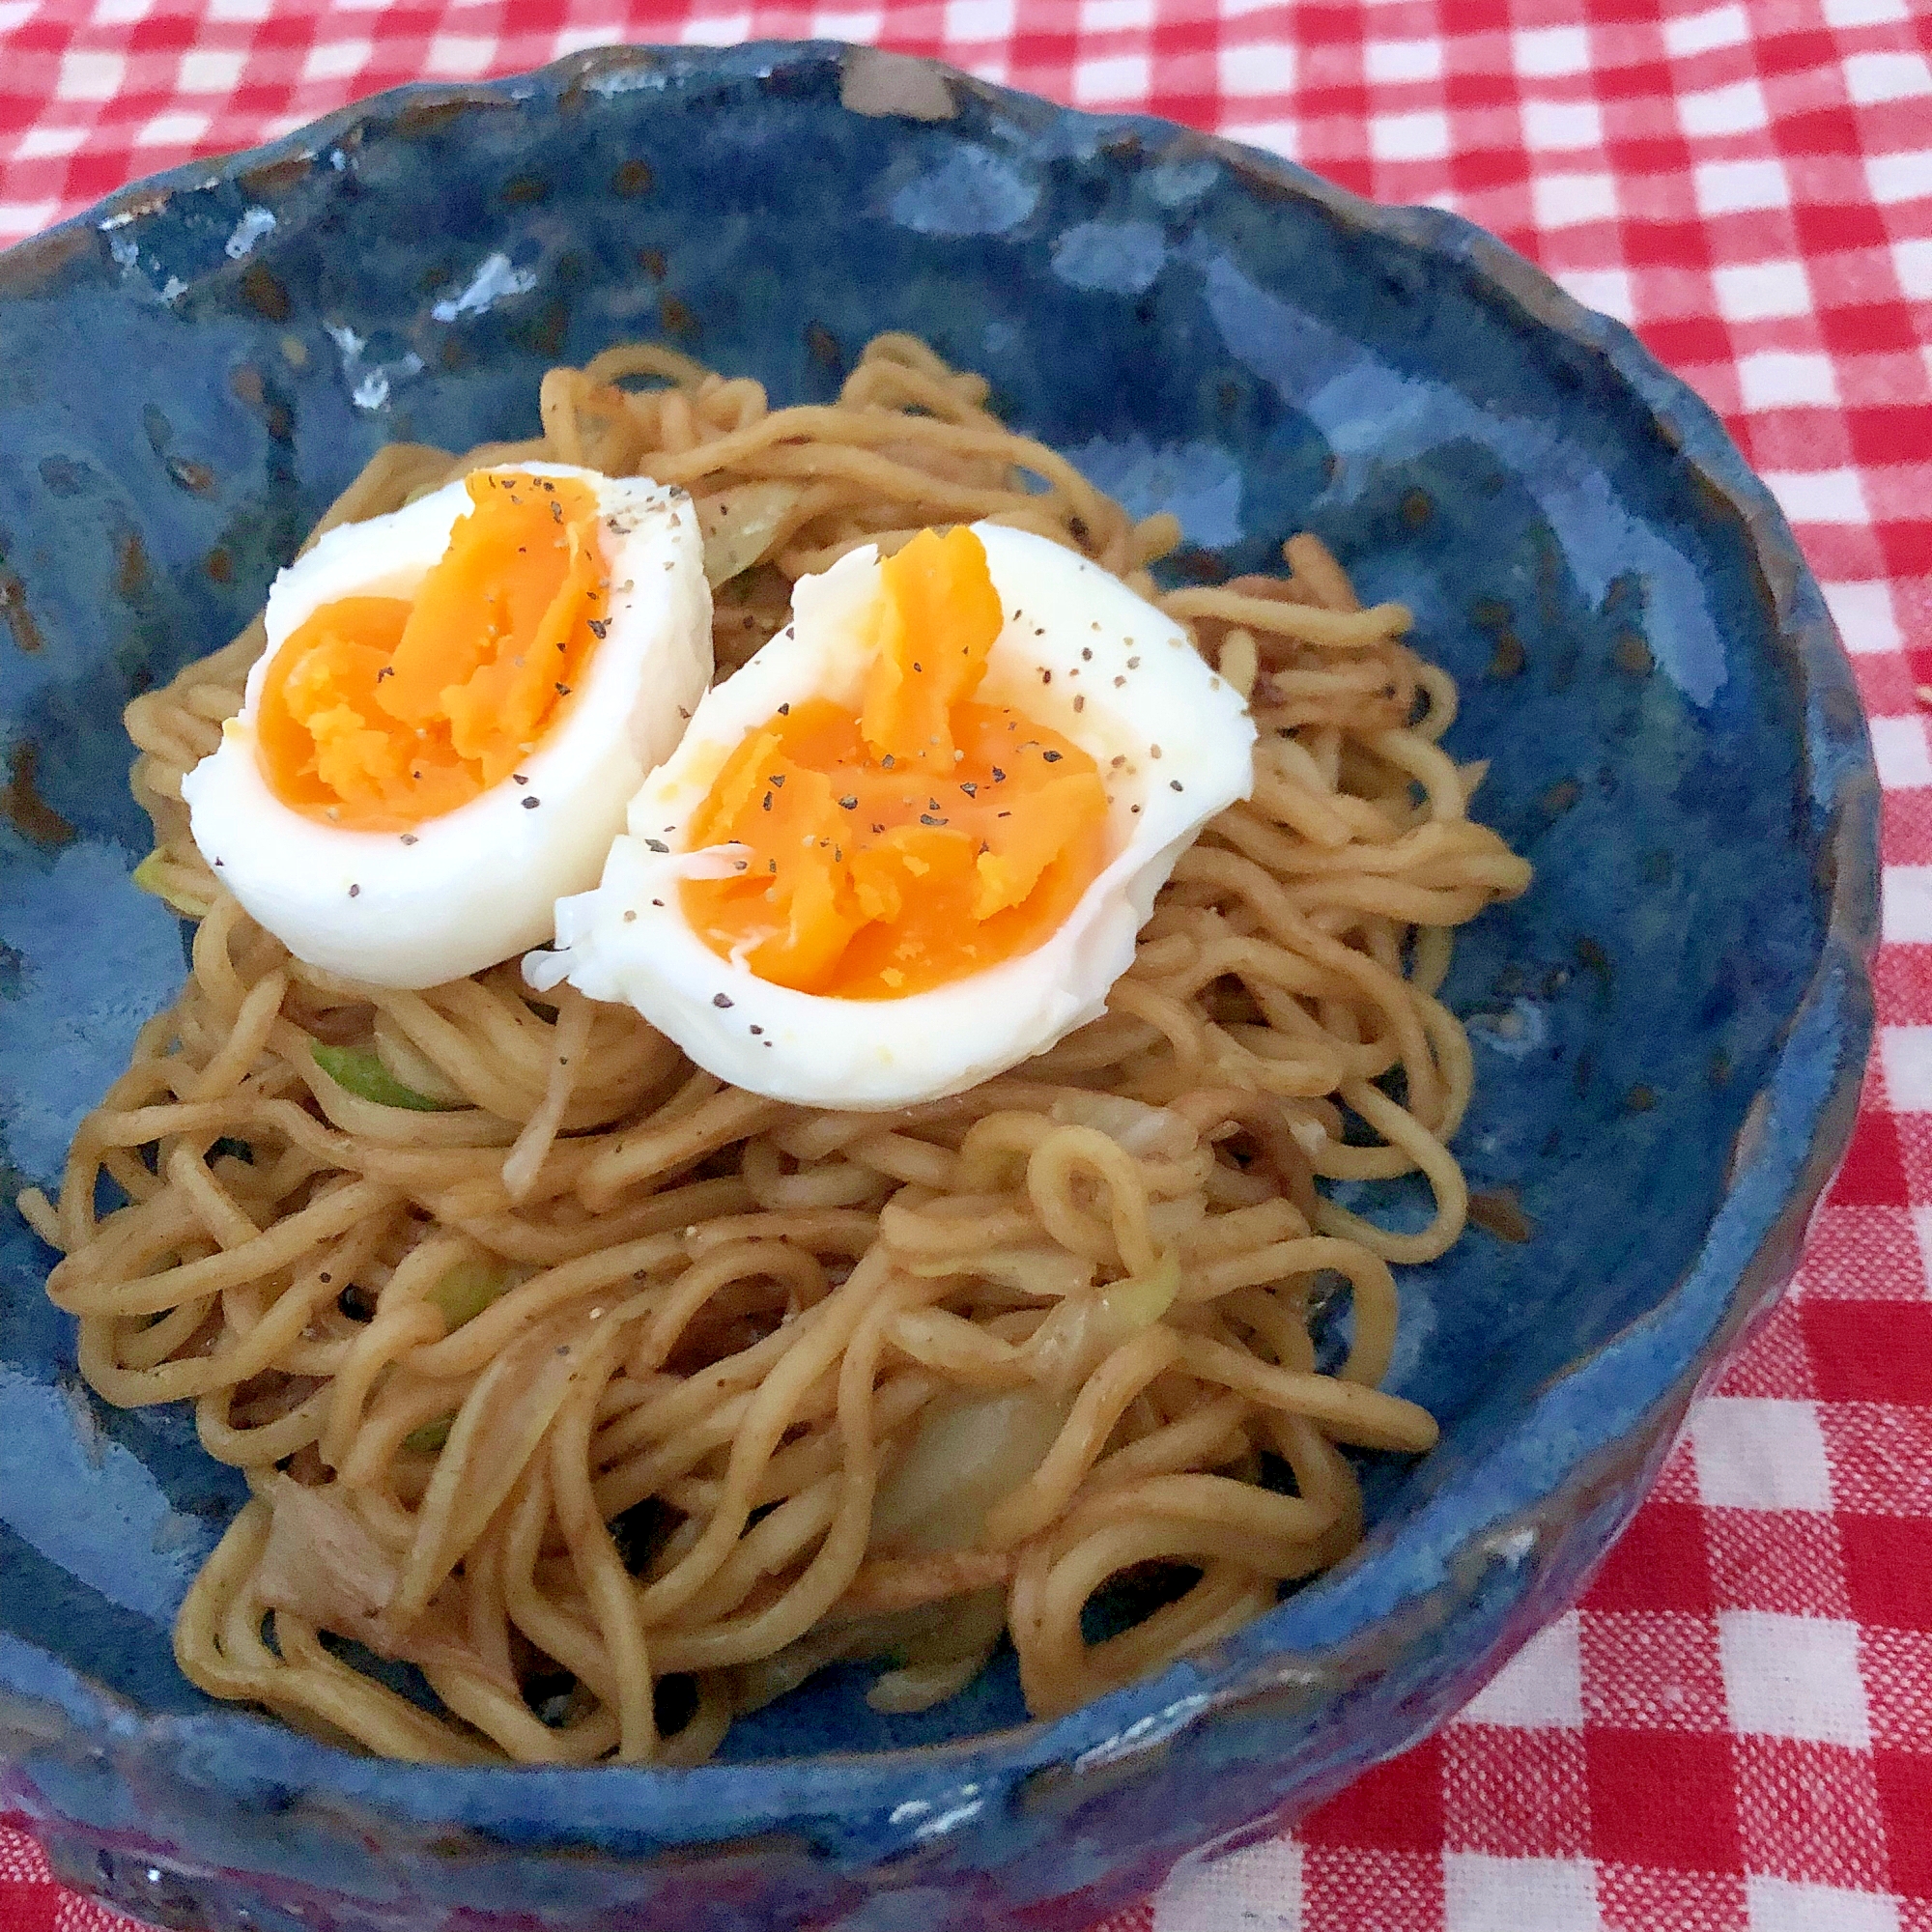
(1801, 1139)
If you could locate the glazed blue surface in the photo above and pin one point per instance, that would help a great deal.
(1669, 1028)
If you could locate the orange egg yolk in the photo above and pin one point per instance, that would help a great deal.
(379, 712)
(924, 840)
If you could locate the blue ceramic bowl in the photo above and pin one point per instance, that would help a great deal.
(1669, 1028)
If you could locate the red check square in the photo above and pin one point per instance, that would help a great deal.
(1397, 1807)
(1663, 1798)
(1661, 1563)
(1871, 1351)
(1905, 1796)
(1888, 1571)
(1874, 1171)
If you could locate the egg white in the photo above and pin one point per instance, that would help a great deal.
(460, 892)
(1144, 685)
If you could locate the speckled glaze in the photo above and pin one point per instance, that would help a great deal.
(1669, 1028)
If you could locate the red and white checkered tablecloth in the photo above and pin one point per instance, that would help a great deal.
(1735, 1728)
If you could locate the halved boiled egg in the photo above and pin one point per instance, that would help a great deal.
(456, 703)
(911, 842)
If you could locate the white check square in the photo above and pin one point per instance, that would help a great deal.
(1912, 263)
(172, 131)
(1794, 1677)
(336, 60)
(716, 30)
(1116, 78)
(1410, 138)
(1757, 1453)
(1865, 618)
(574, 39)
(1780, 1905)
(1541, 1688)
(1820, 495)
(1484, 1893)
(1784, 379)
(462, 56)
(40, 144)
(21, 218)
(208, 70)
(1733, 188)
(979, 19)
(1905, 1052)
(1870, 78)
(1608, 291)
(1908, 889)
(1864, 12)
(87, 75)
(1699, 33)
(1261, 68)
(1895, 178)
(1736, 109)
(1758, 291)
(1278, 137)
(1568, 201)
(1107, 17)
(1904, 764)
(1553, 126)
(1544, 52)
(1393, 60)
(1258, 1888)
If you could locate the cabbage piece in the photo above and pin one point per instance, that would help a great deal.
(323, 1564)
(1043, 1270)
(150, 875)
(1086, 1328)
(966, 1454)
(933, 1651)
(1143, 1131)
(969, 1452)
(739, 522)
(357, 1070)
(936, 1650)
(1137, 1302)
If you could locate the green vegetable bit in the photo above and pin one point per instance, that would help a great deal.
(467, 1290)
(1139, 1301)
(148, 876)
(357, 1070)
(431, 1436)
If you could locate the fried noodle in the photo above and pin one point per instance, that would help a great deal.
(617, 1401)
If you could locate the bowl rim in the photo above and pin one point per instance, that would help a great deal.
(1794, 1130)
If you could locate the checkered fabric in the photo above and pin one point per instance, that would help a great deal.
(1735, 1728)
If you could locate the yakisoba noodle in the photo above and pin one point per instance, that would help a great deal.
(618, 1400)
